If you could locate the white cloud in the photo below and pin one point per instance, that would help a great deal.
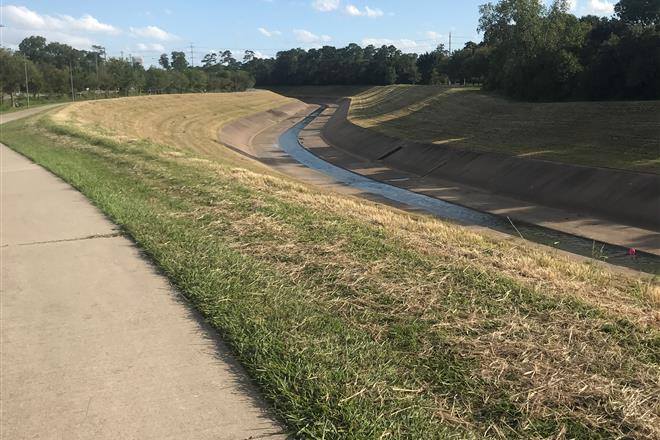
(432, 35)
(21, 22)
(151, 47)
(354, 11)
(590, 7)
(90, 24)
(20, 17)
(402, 43)
(168, 12)
(265, 32)
(154, 33)
(258, 54)
(405, 44)
(373, 12)
(326, 5)
(12, 37)
(307, 37)
(599, 7)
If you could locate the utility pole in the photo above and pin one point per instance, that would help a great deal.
(449, 43)
(27, 87)
(192, 55)
(73, 94)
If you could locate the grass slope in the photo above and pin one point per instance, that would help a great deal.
(188, 121)
(608, 134)
(361, 321)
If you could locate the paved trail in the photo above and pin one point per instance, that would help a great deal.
(94, 343)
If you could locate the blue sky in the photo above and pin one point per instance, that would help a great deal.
(148, 28)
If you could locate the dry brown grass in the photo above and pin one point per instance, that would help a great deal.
(610, 134)
(547, 362)
(541, 268)
(189, 122)
(551, 365)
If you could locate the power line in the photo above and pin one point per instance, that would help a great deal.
(73, 94)
(404, 44)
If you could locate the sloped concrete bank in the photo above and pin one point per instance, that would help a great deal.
(628, 197)
(240, 133)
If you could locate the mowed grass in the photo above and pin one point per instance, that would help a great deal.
(188, 121)
(624, 135)
(361, 321)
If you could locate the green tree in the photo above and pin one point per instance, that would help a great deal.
(157, 80)
(248, 56)
(406, 69)
(197, 80)
(433, 66)
(125, 75)
(35, 78)
(180, 81)
(56, 81)
(179, 62)
(164, 61)
(33, 47)
(11, 74)
(210, 59)
(645, 12)
(227, 59)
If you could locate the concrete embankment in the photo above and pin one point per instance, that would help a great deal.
(628, 197)
(241, 133)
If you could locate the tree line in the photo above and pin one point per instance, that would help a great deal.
(529, 51)
(41, 67)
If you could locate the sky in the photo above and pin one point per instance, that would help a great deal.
(148, 28)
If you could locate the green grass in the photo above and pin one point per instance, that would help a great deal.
(359, 327)
(622, 135)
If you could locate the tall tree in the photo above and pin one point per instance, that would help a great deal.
(433, 66)
(645, 12)
(11, 74)
(248, 56)
(33, 47)
(179, 62)
(210, 59)
(227, 59)
(164, 61)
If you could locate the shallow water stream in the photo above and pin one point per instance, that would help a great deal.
(610, 253)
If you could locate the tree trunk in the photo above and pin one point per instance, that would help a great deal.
(12, 99)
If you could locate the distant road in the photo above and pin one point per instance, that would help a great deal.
(12, 116)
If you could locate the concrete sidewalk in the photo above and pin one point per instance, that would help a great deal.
(94, 343)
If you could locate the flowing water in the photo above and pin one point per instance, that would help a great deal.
(610, 253)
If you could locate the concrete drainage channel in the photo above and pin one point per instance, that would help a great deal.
(612, 254)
